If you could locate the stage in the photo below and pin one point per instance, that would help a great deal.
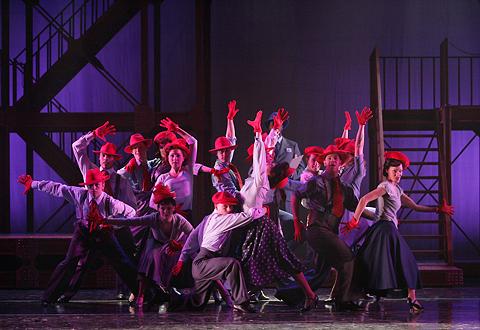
(445, 308)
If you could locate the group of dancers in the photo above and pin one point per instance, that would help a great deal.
(140, 219)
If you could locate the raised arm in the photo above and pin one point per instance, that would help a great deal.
(347, 126)
(362, 119)
(79, 149)
(191, 141)
(232, 112)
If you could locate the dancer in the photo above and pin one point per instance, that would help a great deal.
(385, 260)
(116, 186)
(328, 198)
(266, 258)
(137, 172)
(211, 264)
(168, 232)
(182, 160)
(91, 205)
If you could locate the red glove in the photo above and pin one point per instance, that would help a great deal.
(174, 245)
(280, 118)
(348, 122)
(365, 116)
(169, 124)
(219, 173)
(177, 268)
(232, 111)
(26, 180)
(298, 226)
(104, 130)
(257, 123)
(445, 208)
(130, 167)
(349, 226)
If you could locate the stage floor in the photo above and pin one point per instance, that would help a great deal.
(445, 308)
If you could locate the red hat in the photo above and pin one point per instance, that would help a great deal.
(94, 175)
(313, 150)
(332, 149)
(108, 149)
(345, 144)
(161, 192)
(136, 139)
(222, 143)
(178, 144)
(164, 135)
(223, 197)
(400, 156)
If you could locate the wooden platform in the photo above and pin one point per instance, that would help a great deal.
(27, 261)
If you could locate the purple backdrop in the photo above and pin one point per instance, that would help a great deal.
(309, 56)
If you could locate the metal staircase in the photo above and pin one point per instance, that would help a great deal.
(410, 95)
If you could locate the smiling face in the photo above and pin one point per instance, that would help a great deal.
(332, 163)
(139, 151)
(394, 173)
(106, 161)
(176, 158)
(224, 155)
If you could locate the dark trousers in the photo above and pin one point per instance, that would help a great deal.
(332, 252)
(208, 267)
(82, 246)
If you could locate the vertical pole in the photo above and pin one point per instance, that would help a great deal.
(375, 129)
(27, 81)
(445, 129)
(157, 63)
(144, 51)
(201, 113)
(4, 134)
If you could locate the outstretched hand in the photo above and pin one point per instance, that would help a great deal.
(257, 123)
(104, 130)
(232, 110)
(348, 122)
(349, 226)
(364, 116)
(445, 208)
(280, 118)
(169, 124)
(26, 180)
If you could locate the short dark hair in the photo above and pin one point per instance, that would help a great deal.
(169, 200)
(390, 162)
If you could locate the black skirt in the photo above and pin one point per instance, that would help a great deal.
(385, 261)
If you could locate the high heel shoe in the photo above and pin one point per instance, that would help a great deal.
(309, 304)
(414, 305)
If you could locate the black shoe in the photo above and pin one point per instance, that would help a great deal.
(329, 301)
(244, 308)
(346, 306)
(253, 297)
(262, 297)
(309, 304)
(121, 296)
(63, 299)
(415, 306)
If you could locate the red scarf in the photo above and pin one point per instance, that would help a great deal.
(146, 182)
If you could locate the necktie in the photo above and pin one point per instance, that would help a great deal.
(146, 182)
(108, 186)
(93, 216)
(237, 174)
(337, 209)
